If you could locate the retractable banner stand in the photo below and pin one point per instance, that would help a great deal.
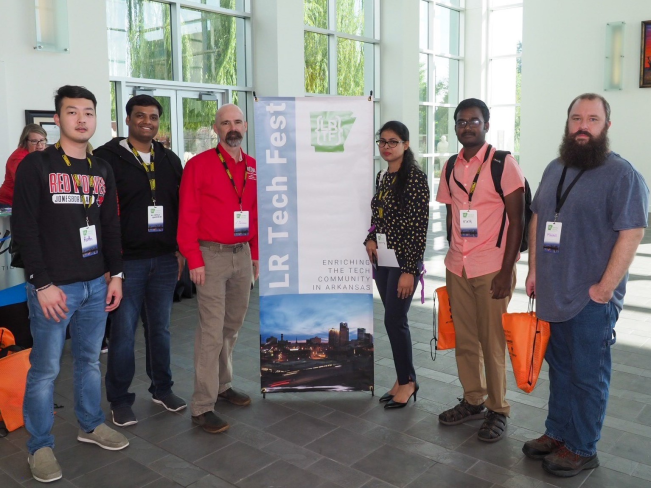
(315, 183)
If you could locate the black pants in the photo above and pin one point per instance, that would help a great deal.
(395, 321)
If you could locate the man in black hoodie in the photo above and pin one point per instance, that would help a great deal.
(147, 177)
(65, 226)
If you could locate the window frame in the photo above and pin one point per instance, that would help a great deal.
(517, 4)
(432, 52)
(372, 79)
(126, 85)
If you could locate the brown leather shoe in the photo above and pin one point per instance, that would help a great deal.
(541, 447)
(565, 463)
(210, 422)
(235, 397)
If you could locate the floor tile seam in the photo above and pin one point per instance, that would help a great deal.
(277, 459)
(156, 481)
(343, 428)
(120, 458)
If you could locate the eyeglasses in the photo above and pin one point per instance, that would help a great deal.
(392, 143)
(462, 124)
(37, 142)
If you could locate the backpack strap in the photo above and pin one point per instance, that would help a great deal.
(449, 168)
(497, 169)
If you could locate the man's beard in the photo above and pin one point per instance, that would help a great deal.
(234, 138)
(588, 155)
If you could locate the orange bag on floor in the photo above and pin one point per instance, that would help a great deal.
(526, 338)
(14, 365)
(444, 334)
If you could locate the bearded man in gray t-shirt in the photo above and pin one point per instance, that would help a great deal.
(589, 215)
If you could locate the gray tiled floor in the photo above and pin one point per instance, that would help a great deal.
(346, 439)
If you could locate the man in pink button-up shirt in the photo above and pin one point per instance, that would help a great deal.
(480, 273)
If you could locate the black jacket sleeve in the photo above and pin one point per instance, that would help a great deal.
(111, 238)
(28, 190)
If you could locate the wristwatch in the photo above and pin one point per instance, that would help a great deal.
(119, 275)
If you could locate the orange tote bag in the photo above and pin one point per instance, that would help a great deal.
(13, 379)
(526, 338)
(444, 335)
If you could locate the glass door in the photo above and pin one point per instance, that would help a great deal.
(187, 119)
(197, 112)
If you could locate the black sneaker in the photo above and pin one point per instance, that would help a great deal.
(123, 416)
(462, 412)
(210, 422)
(171, 402)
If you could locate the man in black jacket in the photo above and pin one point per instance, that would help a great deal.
(147, 177)
(65, 226)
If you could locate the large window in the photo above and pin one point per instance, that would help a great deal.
(191, 55)
(505, 73)
(441, 68)
(341, 47)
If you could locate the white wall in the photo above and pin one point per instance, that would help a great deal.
(563, 56)
(475, 50)
(399, 66)
(278, 48)
(28, 78)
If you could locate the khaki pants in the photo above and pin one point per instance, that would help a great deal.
(480, 344)
(223, 301)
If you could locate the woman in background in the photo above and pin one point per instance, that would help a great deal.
(400, 216)
(33, 138)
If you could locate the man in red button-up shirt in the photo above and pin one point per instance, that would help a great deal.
(218, 235)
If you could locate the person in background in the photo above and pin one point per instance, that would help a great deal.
(33, 138)
(400, 215)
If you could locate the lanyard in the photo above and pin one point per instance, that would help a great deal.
(75, 177)
(474, 182)
(560, 199)
(230, 176)
(149, 168)
(382, 194)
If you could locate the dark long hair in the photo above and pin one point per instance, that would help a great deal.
(408, 159)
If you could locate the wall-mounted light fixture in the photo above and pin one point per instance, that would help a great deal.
(208, 96)
(52, 26)
(141, 90)
(614, 69)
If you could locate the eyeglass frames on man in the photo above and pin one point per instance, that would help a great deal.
(462, 124)
(392, 143)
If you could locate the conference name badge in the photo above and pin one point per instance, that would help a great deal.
(241, 223)
(88, 237)
(468, 220)
(382, 241)
(155, 218)
(552, 240)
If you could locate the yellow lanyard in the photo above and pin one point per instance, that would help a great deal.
(149, 168)
(382, 196)
(86, 203)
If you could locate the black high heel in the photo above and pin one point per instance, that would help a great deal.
(394, 404)
(386, 397)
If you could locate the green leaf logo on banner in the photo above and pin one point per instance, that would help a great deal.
(330, 130)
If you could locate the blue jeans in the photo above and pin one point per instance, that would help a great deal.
(86, 301)
(148, 288)
(579, 361)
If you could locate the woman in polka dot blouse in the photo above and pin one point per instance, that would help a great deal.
(400, 217)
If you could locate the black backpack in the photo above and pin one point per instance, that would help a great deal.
(497, 168)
